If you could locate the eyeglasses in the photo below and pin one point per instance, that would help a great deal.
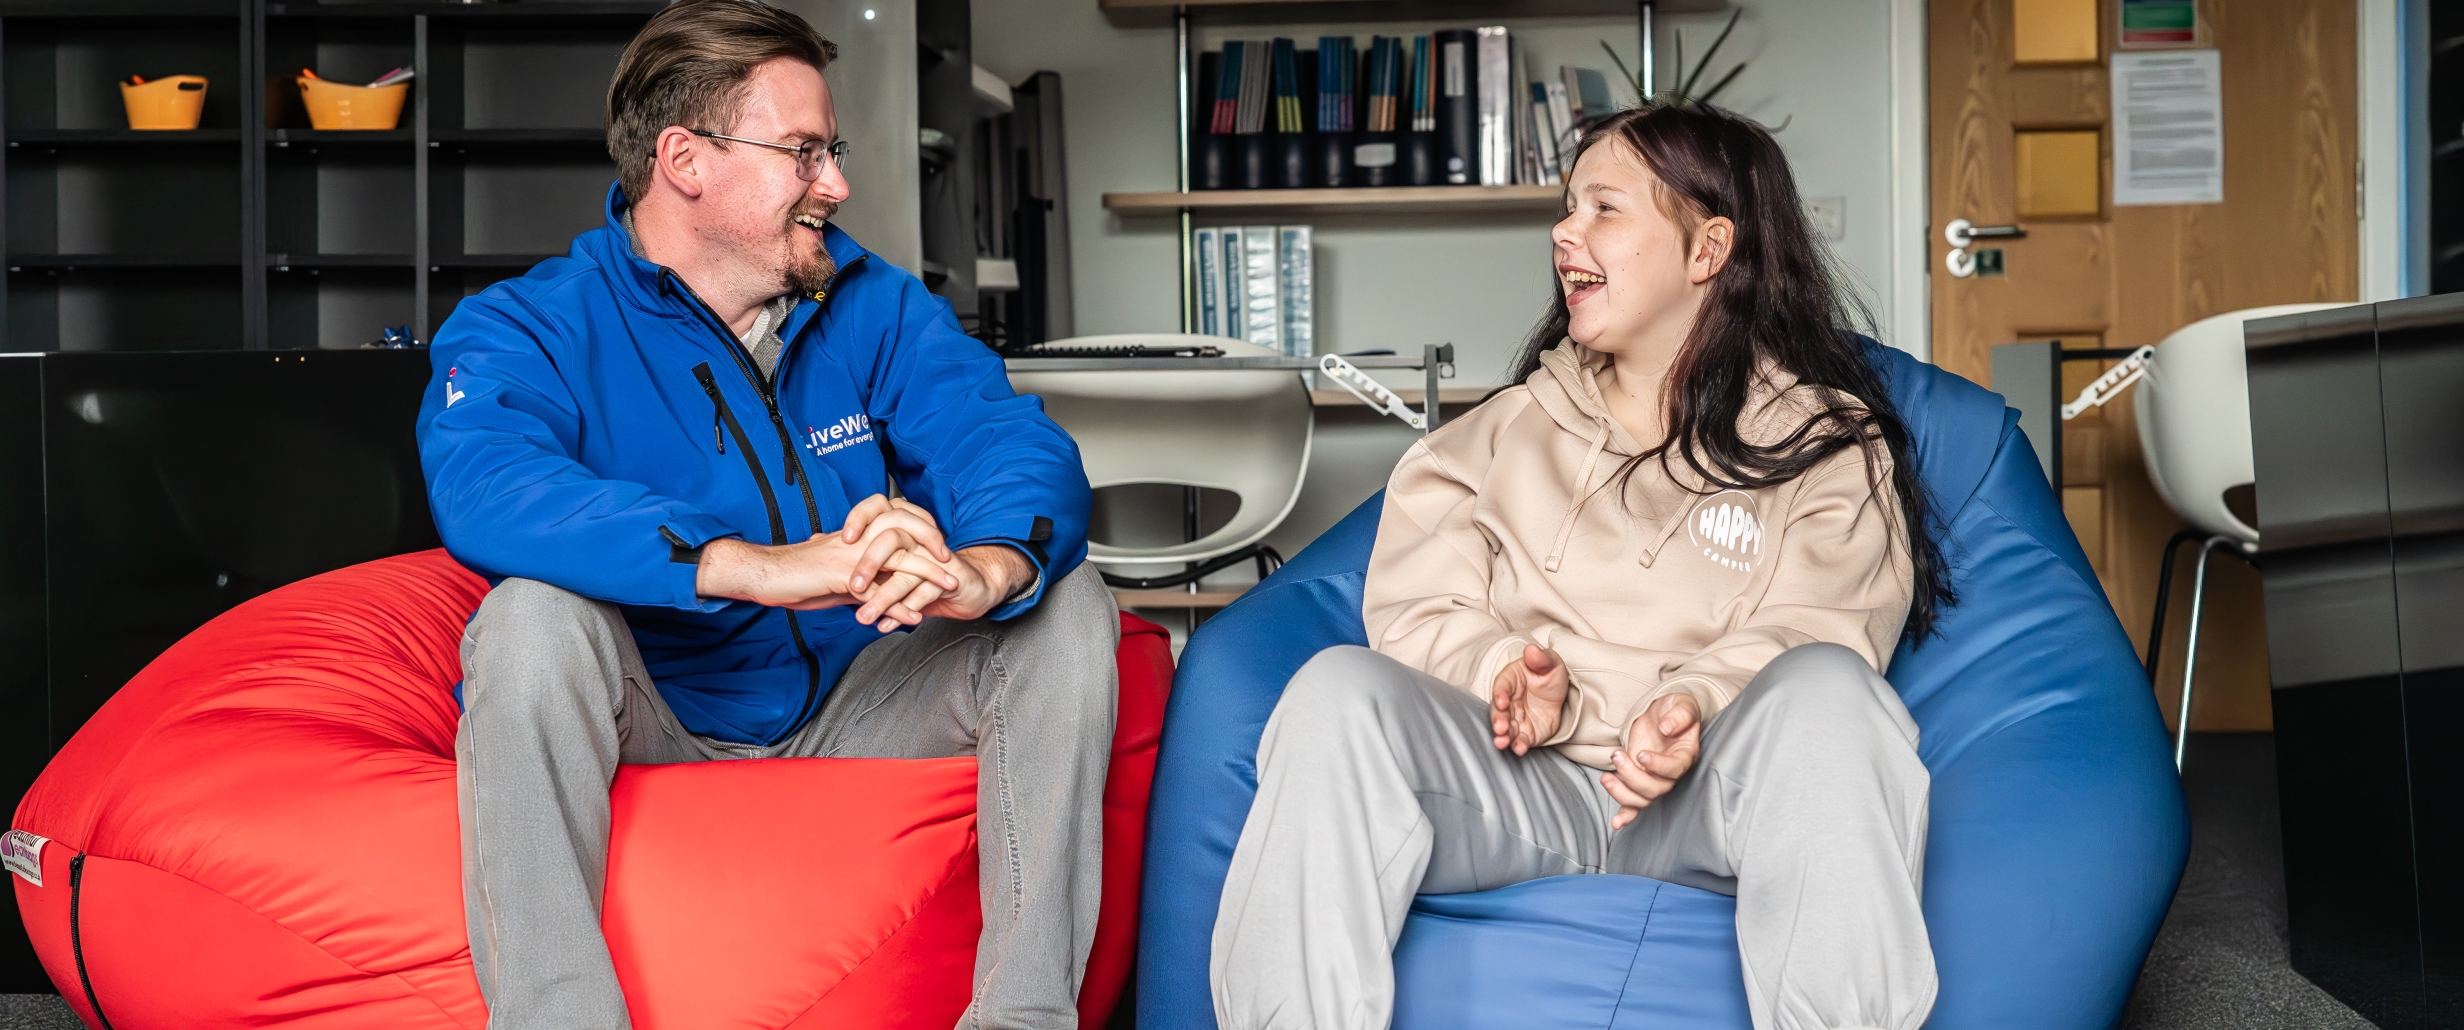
(809, 154)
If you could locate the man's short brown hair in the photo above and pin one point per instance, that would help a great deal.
(688, 66)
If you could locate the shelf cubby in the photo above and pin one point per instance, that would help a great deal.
(353, 51)
(183, 202)
(332, 307)
(125, 306)
(518, 204)
(518, 75)
(64, 72)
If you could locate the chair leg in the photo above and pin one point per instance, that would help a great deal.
(2190, 650)
(2164, 593)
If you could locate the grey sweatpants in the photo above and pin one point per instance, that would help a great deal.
(1377, 782)
(555, 696)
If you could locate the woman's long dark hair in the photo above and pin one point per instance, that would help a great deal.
(1778, 300)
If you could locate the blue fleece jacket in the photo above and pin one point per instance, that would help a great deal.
(591, 423)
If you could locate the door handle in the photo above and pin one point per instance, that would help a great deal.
(1961, 233)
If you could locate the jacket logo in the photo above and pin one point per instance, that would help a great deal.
(846, 432)
(451, 394)
(1727, 531)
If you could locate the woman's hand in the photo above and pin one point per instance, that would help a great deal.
(1660, 747)
(1526, 701)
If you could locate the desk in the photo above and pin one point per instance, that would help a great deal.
(1435, 361)
(2360, 466)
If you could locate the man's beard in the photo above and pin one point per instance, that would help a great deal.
(806, 278)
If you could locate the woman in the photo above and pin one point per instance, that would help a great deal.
(1627, 617)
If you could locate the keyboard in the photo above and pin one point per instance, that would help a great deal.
(1130, 351)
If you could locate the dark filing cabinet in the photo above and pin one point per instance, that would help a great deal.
(143, 494)
(2357, 428)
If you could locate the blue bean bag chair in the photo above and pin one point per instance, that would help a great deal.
(2058, 831)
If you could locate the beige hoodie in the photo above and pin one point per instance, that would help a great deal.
(1500, 530)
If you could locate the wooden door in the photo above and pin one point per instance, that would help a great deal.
(2020, 135)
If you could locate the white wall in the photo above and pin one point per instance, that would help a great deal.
(1477, 281)
(2394, 122)
(872, 85)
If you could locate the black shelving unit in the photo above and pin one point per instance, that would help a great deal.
(946, 116)
(256, 231)
(2442, 55)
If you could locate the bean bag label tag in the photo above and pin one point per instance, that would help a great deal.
(22, 853)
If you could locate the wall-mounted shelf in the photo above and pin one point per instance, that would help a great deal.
(281, 261)
(71, 262)
(1445, 395)
(321, 137)
(1395, 199)
(58, 137)
(498, 261)
(1384, 10)
(562, 137)
(121, 9)
(616, 10)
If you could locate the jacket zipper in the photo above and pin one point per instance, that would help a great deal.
(76, 940)
(778, 529)
(787, 446)
(766, 389)
(721, 414)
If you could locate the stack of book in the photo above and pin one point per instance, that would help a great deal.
(1454, 107)
(1254, 285)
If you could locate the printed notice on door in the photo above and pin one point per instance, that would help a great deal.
(2168, 128)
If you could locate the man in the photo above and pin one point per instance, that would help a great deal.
(718, 457)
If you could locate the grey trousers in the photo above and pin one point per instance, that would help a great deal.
(555, 696)
(1377, 782)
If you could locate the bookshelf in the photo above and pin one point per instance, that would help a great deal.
(1368, 200)
(1186, 204)
(1371, 10)
(256, 231)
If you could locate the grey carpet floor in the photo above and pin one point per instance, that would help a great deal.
(2219, 962)
(36, 1012)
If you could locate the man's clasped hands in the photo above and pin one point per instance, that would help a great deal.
(889, 560)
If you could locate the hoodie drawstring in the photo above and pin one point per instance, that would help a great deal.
(1582, 493)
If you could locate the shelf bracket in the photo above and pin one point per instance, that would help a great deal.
(1437, 362)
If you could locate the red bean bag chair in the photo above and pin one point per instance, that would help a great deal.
(259, 829)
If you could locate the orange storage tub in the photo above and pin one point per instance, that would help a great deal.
(334, 105)
(171, 102)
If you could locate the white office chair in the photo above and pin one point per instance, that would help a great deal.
(2194, 429)
(1246, 432)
